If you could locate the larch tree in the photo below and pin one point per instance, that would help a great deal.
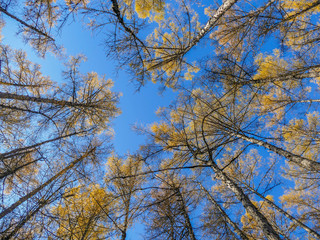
(82, 214)
(250, 110)
(235, 156)
(49, 131)
(126, 197)
(168, 215)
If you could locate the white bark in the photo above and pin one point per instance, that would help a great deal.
(301, 161)
(227, 4)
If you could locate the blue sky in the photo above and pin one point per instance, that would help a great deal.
(137, 107)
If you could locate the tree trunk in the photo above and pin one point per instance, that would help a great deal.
(301, 161)
(262, 221)
(209, 25)
(227, 4)
(115, 9)
(61, 103)
(233, 224)
(279, 209)
(4, 11)
(38, 189)
(23, 150)
(186, 215)
(24, 221)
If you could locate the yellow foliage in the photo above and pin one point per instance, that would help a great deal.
(176, 115)
(81, 212)
(168, 42)
(120, 167)
(301, 34)
(209, 12)
(145, 7)
(166, 135)
(250, 225)
(298, 138)
(160, 129)
(297, 5)
(76, 3)
(191, 69)
(291, 130)
(270, 66)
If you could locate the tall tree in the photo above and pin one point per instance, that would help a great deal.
(245, 121)
(127, 201)
(42, 123)
(169, 212)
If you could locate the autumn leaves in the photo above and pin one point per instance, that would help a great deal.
(235, 156)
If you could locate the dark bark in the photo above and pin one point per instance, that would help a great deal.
(4, 11)
(186, 215)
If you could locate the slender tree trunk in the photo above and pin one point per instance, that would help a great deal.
(262, 221)
(282, 78)
(301, 161)
(127, 202)
(115, 8)
(186, 215)
(125, 225)
(227, 4)
(61, 103)
(296, 101)
(4, 11)
(123, 235)
(209, 25)
(38, 189)
(233, 224)
(21, 85)
(279, 209)
(23, 150)
(24, 221)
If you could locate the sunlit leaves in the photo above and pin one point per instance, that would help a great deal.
(82, 213)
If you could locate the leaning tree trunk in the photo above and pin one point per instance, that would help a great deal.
(4, 11)
(62, 103)
(209, 25)
(279, 209)
(38, 189)
(227, 4)
(262, 221)
(301, 161)
(186, 215)
(23, 222)
(233, 224)
(23, 150)
(26, 150)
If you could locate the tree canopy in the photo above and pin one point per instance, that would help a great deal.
(234, 156)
